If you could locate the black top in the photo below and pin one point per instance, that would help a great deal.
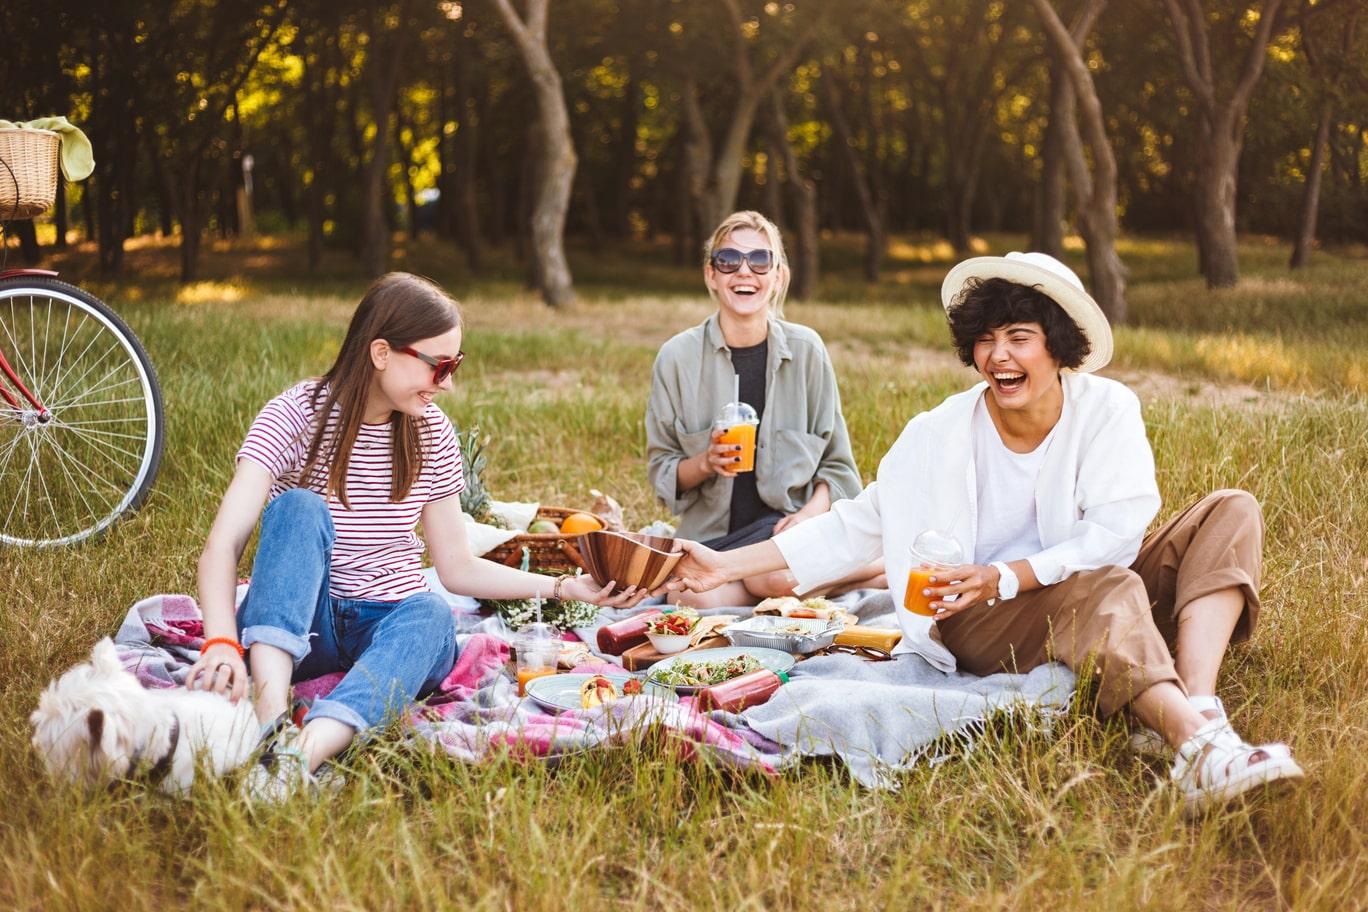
(749, 363)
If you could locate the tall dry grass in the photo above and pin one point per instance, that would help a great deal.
(1068, 821)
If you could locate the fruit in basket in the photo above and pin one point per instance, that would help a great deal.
(543, 527)
(579, 523)
(474, 497)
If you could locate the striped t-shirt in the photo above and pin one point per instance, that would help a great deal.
(376, 555)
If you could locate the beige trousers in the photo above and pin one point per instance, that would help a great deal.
(1121, 620)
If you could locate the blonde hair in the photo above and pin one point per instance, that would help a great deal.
(755, 222)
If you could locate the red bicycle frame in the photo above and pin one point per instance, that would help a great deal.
(4, 363)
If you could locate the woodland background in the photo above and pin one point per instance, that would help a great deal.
(495, 124)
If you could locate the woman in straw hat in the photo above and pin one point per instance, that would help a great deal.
(746, 351)
(1043, 475)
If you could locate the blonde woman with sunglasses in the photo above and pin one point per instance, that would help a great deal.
(803, 460)
(346, 465)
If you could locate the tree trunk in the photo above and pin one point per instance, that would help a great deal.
(465, 205)
(406, 166)
(870, 210)
(88, 211)
(686, 240)
(29, 251)
(589, 212)
(60, 216)
(774, 199)
(323, 96)
(696, 160)
(189, 208)
(382, 83)
(1095, 191)
(1047, 223)
(803, 257)
(1220, 129)
(1218, 164)
(556, 169)
(624, 159)
(1306, 223)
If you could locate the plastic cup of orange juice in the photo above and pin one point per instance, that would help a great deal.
(537, 650)
(736, 424)
(931, 549)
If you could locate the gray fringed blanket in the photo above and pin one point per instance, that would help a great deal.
(882, 717)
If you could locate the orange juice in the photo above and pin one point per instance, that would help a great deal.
(918, 578)
(527, 674)
(743, 434)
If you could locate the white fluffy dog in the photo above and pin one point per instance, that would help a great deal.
(97, 722)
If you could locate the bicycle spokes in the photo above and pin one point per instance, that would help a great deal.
(81, 425)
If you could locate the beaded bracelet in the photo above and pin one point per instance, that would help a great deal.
(225, 641)
(556, 588)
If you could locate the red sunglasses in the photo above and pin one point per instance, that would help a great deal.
(441, 367)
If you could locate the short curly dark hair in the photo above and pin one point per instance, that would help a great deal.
(987, 304)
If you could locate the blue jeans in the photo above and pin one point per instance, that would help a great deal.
(392, 652)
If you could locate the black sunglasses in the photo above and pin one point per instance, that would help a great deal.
(729, 260)
(441, 367)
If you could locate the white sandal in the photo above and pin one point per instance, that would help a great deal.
(1216, 765)
(1147, 742)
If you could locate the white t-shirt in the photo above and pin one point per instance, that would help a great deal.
(1007, 526)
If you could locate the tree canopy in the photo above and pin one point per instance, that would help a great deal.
(350, 121)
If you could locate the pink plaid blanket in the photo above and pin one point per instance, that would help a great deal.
(476, 711)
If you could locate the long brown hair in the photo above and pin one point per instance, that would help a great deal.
(401, 309)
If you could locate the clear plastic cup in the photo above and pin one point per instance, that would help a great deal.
(930, 548)
(537, 647)
(737, 423)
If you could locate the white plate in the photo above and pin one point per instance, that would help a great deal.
(559, 692)
(773, 659)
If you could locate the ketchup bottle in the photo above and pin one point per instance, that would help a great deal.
(749, 689)
(615, 639)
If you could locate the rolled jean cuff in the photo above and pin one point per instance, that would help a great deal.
(296, 645)
(341, 712)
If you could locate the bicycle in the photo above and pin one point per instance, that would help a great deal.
(82, 423)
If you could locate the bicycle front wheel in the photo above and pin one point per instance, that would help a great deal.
(90, 453)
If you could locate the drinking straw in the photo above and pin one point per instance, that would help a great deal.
(736, 388)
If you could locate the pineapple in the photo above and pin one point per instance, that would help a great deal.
(475, 499)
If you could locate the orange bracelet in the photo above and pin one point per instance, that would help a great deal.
(226, 641)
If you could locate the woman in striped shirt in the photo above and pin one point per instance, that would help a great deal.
(350, 463)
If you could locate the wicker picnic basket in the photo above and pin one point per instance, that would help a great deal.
(28, 175)
(546, 551)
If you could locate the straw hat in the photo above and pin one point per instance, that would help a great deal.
(1050, 277)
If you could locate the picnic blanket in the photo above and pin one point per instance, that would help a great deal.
(878, 718)
(475, 711)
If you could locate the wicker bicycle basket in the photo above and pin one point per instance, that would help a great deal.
(549, 552)
(28, 175)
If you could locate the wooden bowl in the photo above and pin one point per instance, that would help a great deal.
(629, 558)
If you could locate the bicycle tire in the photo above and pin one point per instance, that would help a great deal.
(81, 501)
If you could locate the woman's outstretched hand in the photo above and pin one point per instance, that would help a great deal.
(585, 588)
(699, 570)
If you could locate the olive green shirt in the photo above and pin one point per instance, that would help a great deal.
(802, 439)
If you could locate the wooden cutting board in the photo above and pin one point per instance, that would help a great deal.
(645, 655)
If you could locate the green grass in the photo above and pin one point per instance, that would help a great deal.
(1069, 821)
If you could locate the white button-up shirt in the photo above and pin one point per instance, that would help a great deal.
(1095, 496)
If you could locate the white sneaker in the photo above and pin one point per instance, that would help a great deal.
(278, 776)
